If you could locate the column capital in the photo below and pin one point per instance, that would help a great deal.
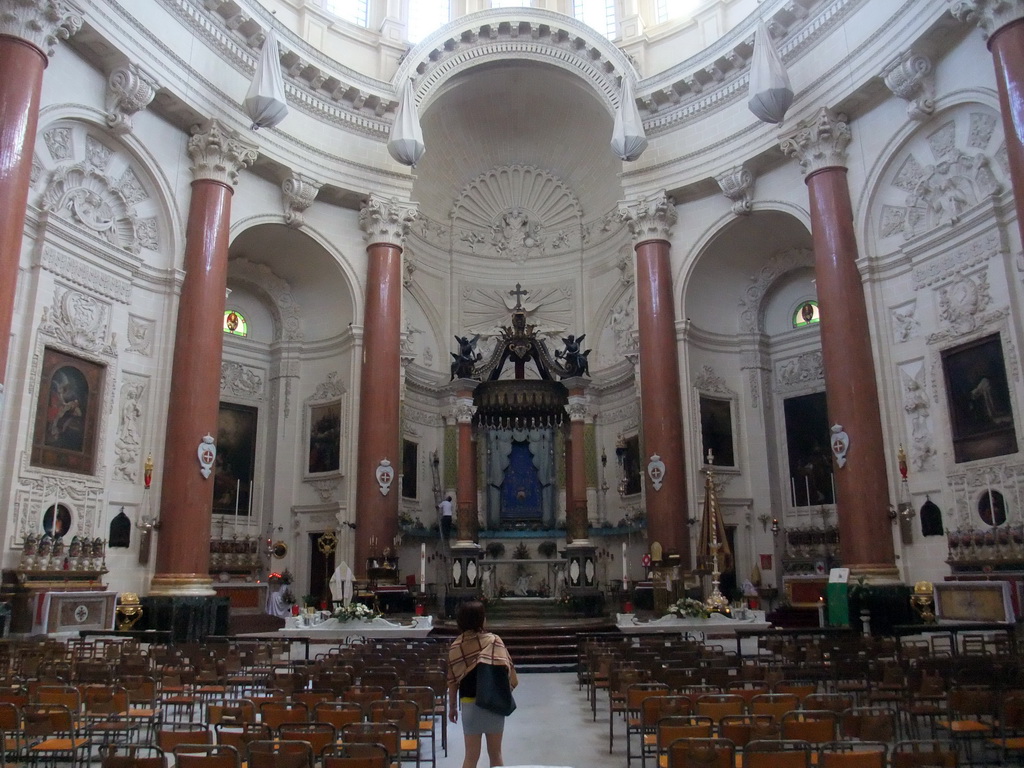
(386, 220)
(40, 22)
(463, 410)
(578, 407)
(219, 153)
(130, 89)
(989, 15)
(818, 142)
(649, 219)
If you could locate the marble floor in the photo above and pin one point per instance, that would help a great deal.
(552, 726)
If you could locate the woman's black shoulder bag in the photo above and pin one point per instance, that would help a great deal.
(493, 691)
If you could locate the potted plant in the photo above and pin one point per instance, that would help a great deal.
(495, 550)
(547, 549)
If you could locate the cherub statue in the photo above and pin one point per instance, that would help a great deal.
(466, 357)
(576, 362)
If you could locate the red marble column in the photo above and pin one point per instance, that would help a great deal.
(862, 486)
(25, 39)
(576, 518)
(465, 482)
(186, 500)
(667, 505)
(1002, 24)
(385, 223)
(570, 494)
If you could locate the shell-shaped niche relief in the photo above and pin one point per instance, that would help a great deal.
(98, 188)
(516, 212)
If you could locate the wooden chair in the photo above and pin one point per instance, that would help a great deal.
(913, 753)
(971, 715)
(816, 726)
(338, 713)
(317, 735)
(846, 754)
(777, 754)
(636, 695)
(386, 734)
(836, 702)
(869, 724)
(277, 713)
(279, 754)
(743, 729)
(355, 756)
(800, 688)
(105, 714)
(774, 704)
(50, 732)
(652, 709)
(718, 705)
(230, 711)
(364, 695)
(1010, 732)
(406, 715)
(205, 756)
(171, 735)
(424, 698)
(701, 753)
(679, 727)
(132, 756)
(240, 735)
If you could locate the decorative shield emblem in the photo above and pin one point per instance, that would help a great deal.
(656, 471)
(385, 476)
(206, 453)
(840, 444)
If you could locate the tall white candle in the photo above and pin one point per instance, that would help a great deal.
(423, 567)
(792, 488)
(625, 569)
(807, 489)
(250, 500)
(238, 493)
(833, 478)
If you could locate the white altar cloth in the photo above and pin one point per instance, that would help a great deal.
(715, 625)
(333, 629)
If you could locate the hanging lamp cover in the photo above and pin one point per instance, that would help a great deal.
(628, 138)
(770, 91)
(406, 141)
(265, 102)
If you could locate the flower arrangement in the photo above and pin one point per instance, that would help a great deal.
(687, 607)
(356, 612)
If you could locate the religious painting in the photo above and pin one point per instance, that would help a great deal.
(629, 457)
(980, 412)
(235, 465)
(521, 490)
(809, 450)
(57, 520)
(67, 413)
(410, 464)
(324, 438)
(973, 601)
(716, 431)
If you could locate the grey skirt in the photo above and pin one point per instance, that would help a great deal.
(476, 720)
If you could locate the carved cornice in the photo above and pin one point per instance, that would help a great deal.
(85, 276)
(40, 22)
(219, 153)
(386, 220)
(328, 390)
(819, 141)
(129, 90)
(649, 219)
(242, 380)
(989, 15)
(737, 184)
(298, 192)
(910, 77)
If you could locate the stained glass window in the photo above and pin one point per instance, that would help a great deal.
(806, 314)
(235, 323)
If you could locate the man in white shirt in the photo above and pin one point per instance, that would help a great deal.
(446, 517)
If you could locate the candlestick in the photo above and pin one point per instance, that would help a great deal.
(835, 500)
(238, 492)
(792, 488)
(250, 499)
(807, 489)
(625, 569)
(423, 567)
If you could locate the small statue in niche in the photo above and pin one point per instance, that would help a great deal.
(575, 361)
(466, 358)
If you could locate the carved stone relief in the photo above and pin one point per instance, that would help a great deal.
(516, 212)
(798, 372)
(967, 485)
(709, 382)
(80, 273)
(36, 493)
(942, 174)
(325, 489)
(78, 320)
(483, 310)
(128, 441)
(59, 142)
(904, 323)
(962, 306)
(237, 380)
(917, 411)
(140, 335)
(622, 324)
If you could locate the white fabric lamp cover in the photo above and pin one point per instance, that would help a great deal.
(628, 138)
(265, 102)
(406, 141)
(770, 90)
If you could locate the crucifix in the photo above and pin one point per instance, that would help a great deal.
(519, 293)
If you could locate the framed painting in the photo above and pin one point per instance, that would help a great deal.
(67, 413)
(716, 430)
(973, 601)
(324, 444)
(978, 397)
(235, 465)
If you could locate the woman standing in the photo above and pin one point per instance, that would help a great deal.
(470, 649)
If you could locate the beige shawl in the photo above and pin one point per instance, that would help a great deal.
(472, 648)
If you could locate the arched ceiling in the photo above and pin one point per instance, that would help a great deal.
(522, 113)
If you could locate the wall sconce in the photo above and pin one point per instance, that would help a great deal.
(775, 526)
(765, 518)
(892, 514)
(604, 458)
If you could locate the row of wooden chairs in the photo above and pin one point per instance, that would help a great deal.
(721, 753)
